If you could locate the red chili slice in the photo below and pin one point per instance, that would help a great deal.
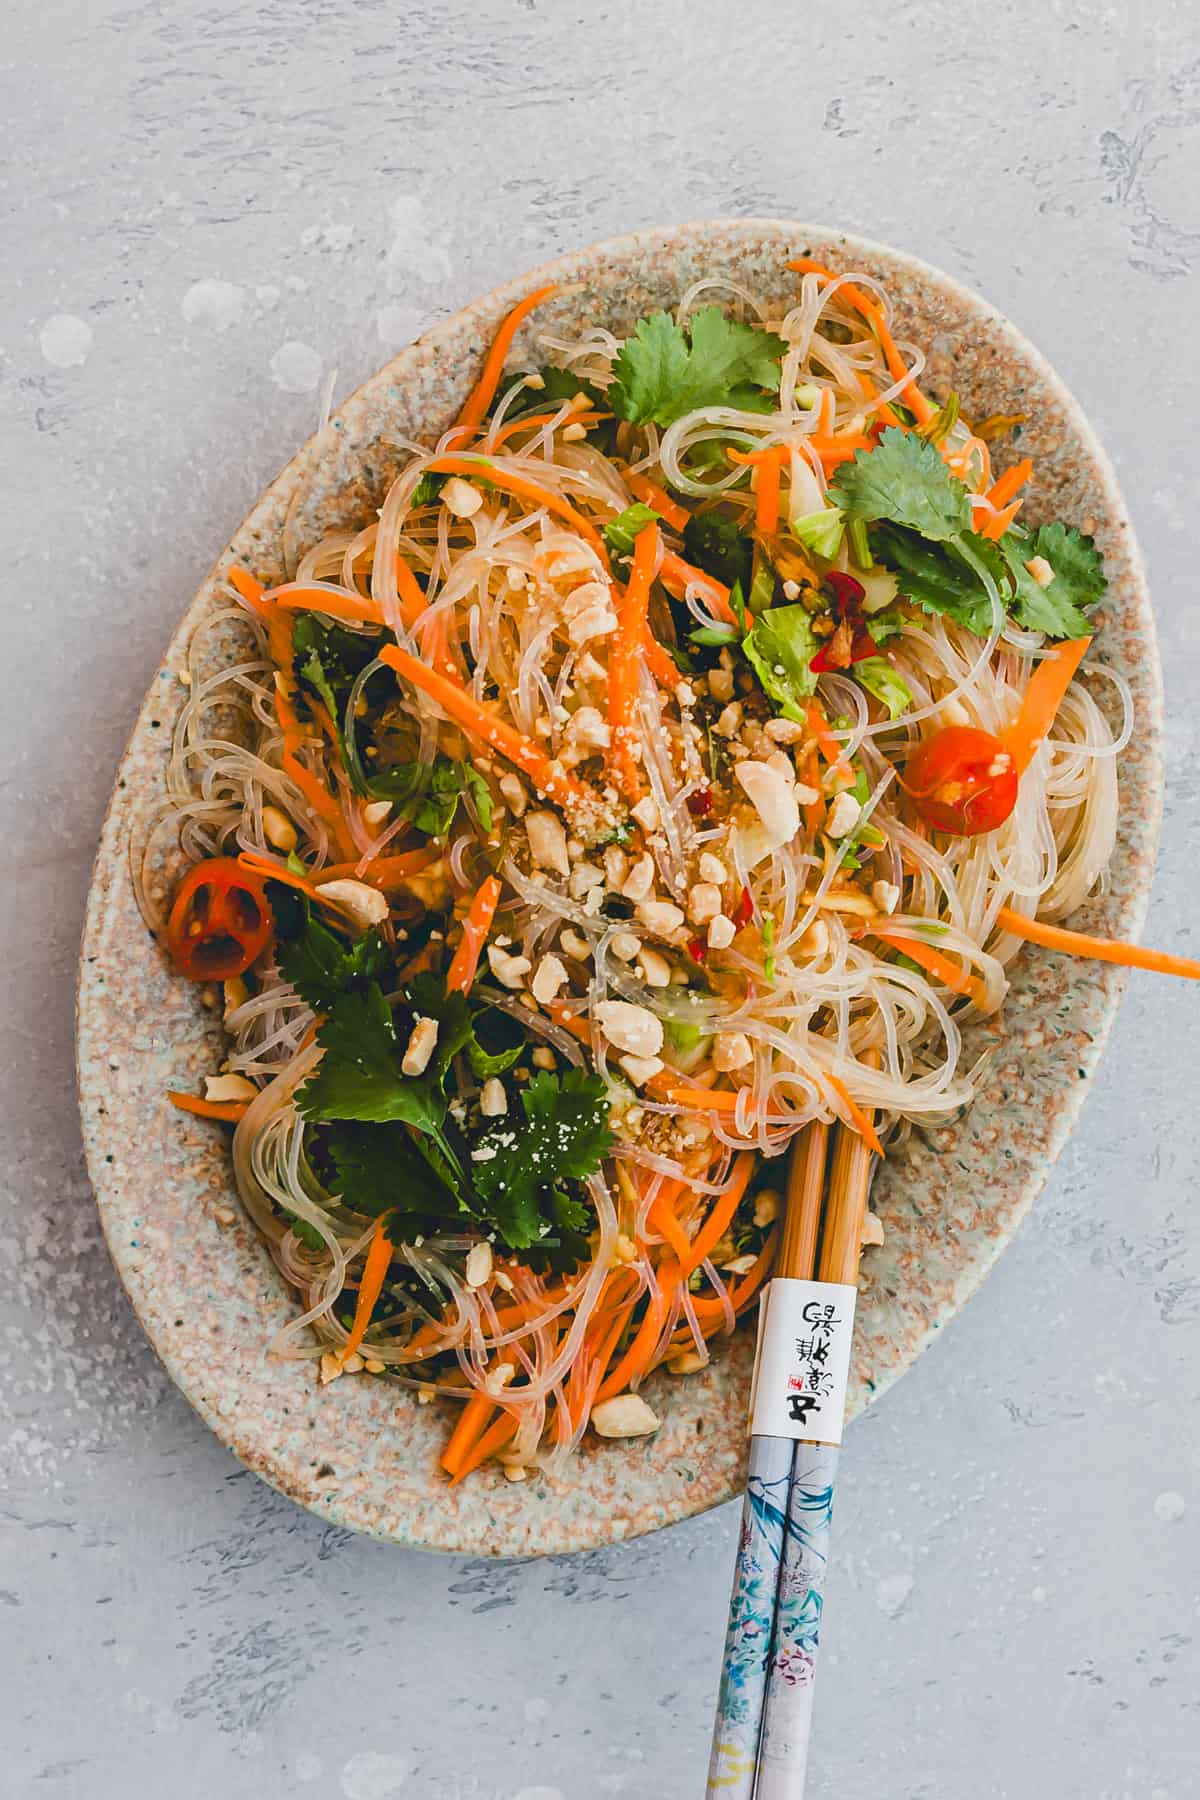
(220, 921)
(700, 804)
(743, 912)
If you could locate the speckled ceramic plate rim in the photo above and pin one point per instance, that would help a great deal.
(361, 1455)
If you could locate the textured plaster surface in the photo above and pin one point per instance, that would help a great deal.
(208, 212)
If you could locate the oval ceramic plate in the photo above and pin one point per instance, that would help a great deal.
(361, 1453)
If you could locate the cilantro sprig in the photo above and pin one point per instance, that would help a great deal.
(666, 370)
(393, 1144)
(920, 527)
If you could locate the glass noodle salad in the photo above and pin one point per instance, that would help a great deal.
(681, 754)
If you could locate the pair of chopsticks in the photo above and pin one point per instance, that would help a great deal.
(764, 1711)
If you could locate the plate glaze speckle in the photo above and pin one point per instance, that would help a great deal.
(361, 1453)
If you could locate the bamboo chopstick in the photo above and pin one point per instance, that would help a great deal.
(797, 1253)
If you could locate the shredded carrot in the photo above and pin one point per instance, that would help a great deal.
(833, 451)
(661, 1218)
(825, 413)
(278, 628)
(476, 926)
(353, 607)
(1012, 480)
(830, 747)
(650, 494)
(659, 662)
(386, 872)
(483, 393)
(678, 575)
(535, 421)
(710, 1311)
(624, 657)
(480, 469)
(722, 1211)
(498, 1433)
(1043, 697)
(761, 459)
(379, 1261)
(923, 409)
(548, 777)
(870, 394)
(228, 1111)
(699, 1099)
(472, 1422)
(942, 968)
(636, 1361)
(996, 524)
(1078, 943)
(314, 790)
(766, 498)
(858, 1118)
(806, 265)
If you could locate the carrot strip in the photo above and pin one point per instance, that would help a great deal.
(825, 414)
(482, 394)
(1043, 697)
(723, 1209)
(699, 1099)
(475, 1415)
(384, 872)
(677, 575)
(761, 459)
(830, 747)
(548, 777)
(942, 968)
(494, 1438)
(923, 409)
(766, 498)
(337, 605)
(805, 265)
(476, 926)
(659, 662)
(1078, 943)
(858, 1118)
(661, 1218)
(870, 394)
(873, 313)
(379, 1261)
(1006, 487)
(228, 1111)
(279, 630)
(314, 790)
(623, 658)
(482, 470)
(633, 1364)
(996, 524)
(650, 494)
(708, 1307)
(535, 421)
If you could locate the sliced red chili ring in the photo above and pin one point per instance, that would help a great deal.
(220, 922)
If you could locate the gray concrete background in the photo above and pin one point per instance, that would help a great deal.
(190, 190)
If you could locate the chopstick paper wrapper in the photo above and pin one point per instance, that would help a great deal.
(797, 1411)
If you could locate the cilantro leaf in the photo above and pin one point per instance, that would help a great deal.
(938, 577)
(428, 793)
(620, 532)
(320, 967)
(327, 660)
(664, 370)
(780, 649)
(716, 543)
(359, 1076)
(428, 488)
(519, 1171)
(378, 1169)
(905, 481)
(877, 675)
(1079, 579)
